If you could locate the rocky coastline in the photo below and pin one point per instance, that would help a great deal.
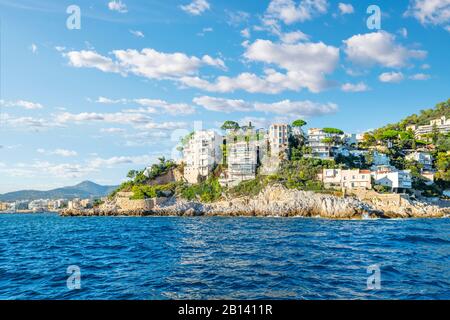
(274, 201)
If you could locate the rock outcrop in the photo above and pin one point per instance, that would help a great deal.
(276, 201)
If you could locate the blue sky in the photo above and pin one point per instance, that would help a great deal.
(114, 95)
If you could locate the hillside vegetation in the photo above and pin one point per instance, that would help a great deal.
(300, 172)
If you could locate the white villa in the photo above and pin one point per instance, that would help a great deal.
(397, 180)
(423, 158)
(319, 149)
(346, 179)
(201, 154)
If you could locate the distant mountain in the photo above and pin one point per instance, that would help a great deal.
(85, 189)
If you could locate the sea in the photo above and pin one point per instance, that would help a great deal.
(45, 256)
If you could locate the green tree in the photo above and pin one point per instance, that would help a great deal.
(230, 125)
(333, 131)
(299, 123)
(435, 134)
(132, 174)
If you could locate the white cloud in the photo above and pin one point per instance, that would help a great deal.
(137, 33)
(171, 108)
(22, 104)
(105, 100)
(245, 33)
(204, 31)
(393, 77)
(293, 37)
(379, 48)
(297, 108)
(436, 12)
(148, 63)
(236, 18)
(112, 130)
(289, 12)
(137, 118)
(118, 5)
(34, 48)
(223, 105)
(302, 57)
(65, 153)
(153, 106)
(306, 65)
(169, 125)
(59, 152)
(358, 87)
(420, 76)
(425, 66)
(196, 7)
(286, 107)
(32, 123)
(75, 170)
(144, 138)
(120, 160)
(119, 117)
(91, 59)
(346, 8)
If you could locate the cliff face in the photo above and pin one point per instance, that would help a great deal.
(276, 201)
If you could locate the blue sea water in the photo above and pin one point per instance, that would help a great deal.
(222, 258)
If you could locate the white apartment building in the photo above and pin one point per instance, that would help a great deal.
(319, 149)
(346, 179)
(279, 138)
(442, 125)
(38, 205)
(423, 158)
(397, 180)
(242, 158)
(201, 154)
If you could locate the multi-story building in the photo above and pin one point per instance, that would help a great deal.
(423, 158)
(441, 124)
(242, 159)
(201, 154)
(346, 179)
(320, 148)
(279, 138)
(38, 205)
(397, 180)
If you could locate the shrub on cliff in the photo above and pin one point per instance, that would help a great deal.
(148, 192)
(206, 191)
(250, 187)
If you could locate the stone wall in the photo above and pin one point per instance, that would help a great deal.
(393, 199)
